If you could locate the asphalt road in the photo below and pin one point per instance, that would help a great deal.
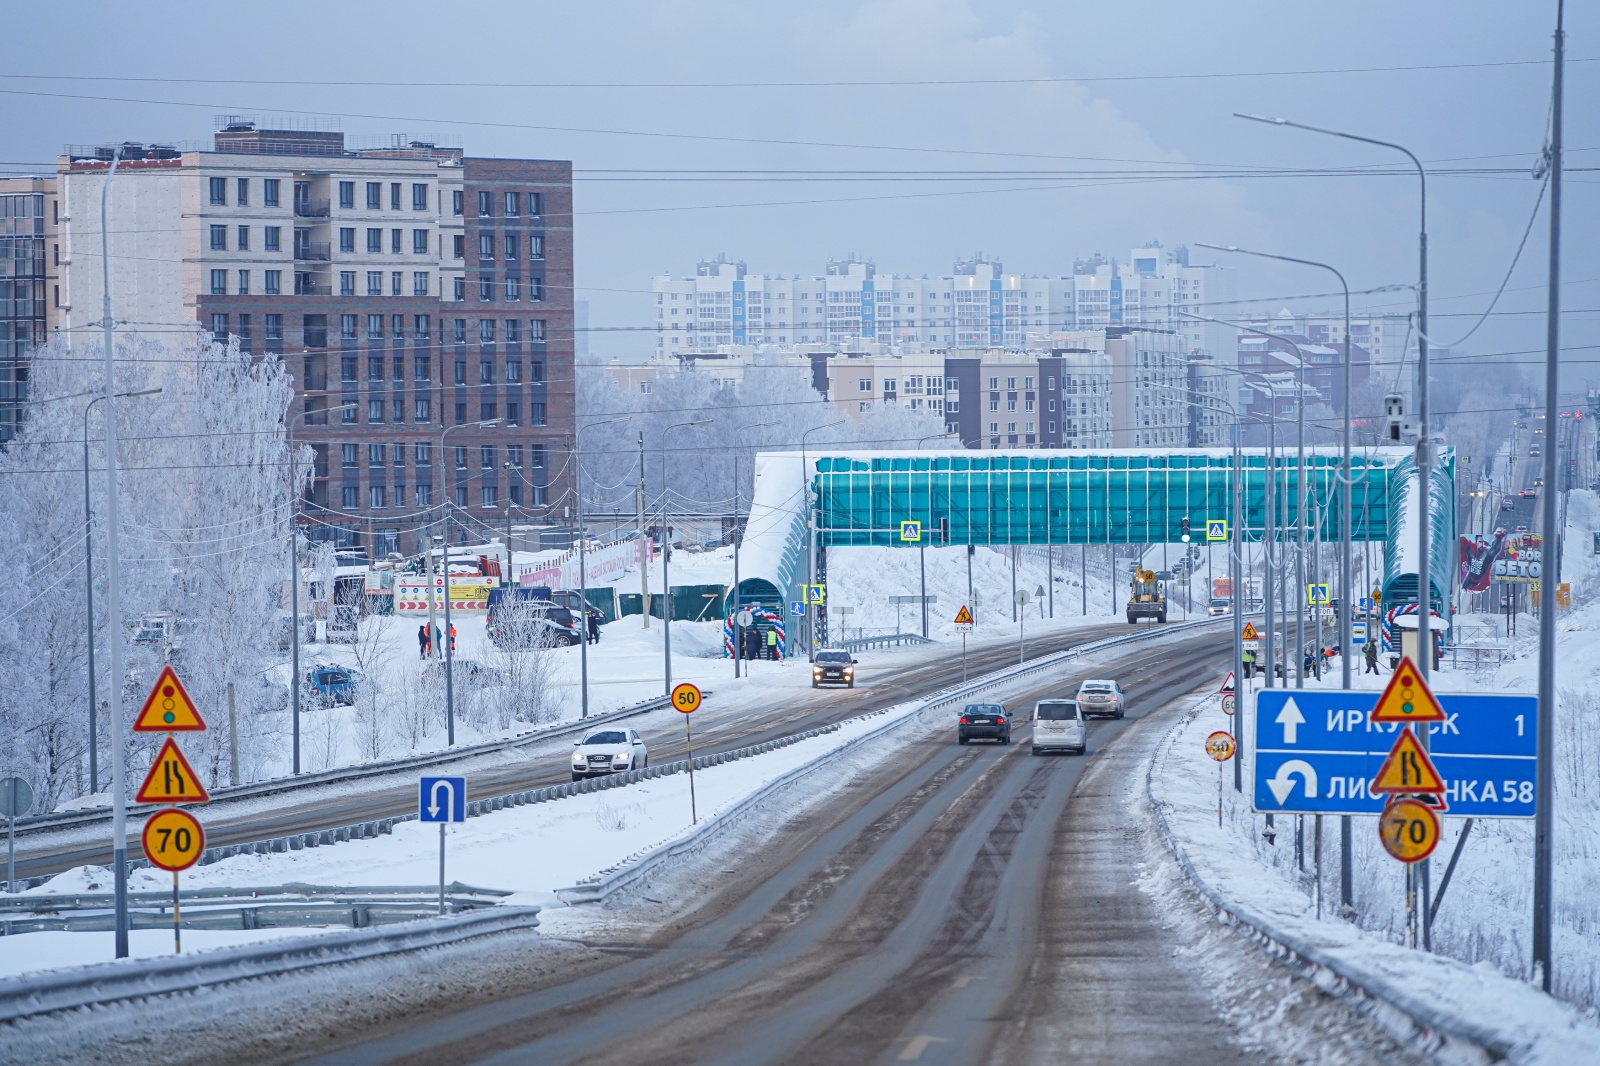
(327, 807)
(972, 904)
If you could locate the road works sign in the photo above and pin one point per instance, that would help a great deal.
(964, 619)
(442, 799)
(168, 708)
(1318, 752)
(1249, 632)
(171, 779)
(1216, 529)
(910, 532)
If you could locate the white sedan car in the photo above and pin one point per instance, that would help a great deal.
(1059, 724)
(1101, 697)
(608, 751)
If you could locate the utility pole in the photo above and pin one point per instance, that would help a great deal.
(644, 553)
(1544, 771)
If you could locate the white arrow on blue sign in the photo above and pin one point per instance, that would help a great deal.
(442, 799)
(1316, 753)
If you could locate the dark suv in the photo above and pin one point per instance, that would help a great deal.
(833, 667)
(984, 721)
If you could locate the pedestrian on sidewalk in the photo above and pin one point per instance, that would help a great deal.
(594, 625)
(1370, 654)
(452, 638)
(422, 641)
(772, 643)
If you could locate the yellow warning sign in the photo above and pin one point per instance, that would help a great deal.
(171, 779)
(963, 616)
(1409, 830)
(1407, 698)
(172, 839)
(168, 708)
(1249, 632)
(1406, 769)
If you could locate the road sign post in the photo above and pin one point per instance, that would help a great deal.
(16, 798)
(173, 839)
(1220, 747)
(687, 698)
(442, 800)
(964, 626)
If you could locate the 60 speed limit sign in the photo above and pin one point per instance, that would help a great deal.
(1229, 702)
(686, 698)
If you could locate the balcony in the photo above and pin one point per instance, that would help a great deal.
(308, 252)
(308, 208)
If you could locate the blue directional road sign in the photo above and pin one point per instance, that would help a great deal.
(442, 799)
(1316, 752)
(1366, 603)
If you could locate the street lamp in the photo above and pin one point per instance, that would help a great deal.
(294, 576)
(449, 633)
(922, 551)
(1346, 600)
(583, 540)
(666, 552)
(88, 601)
(738, 538)
(811, 544)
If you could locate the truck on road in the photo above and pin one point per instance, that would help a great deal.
(1147, 597)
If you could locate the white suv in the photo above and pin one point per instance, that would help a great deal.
(1101, 697)
(608, 751)
(1059, 724)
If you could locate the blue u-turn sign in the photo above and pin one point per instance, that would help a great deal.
(1316, 753)
(442, 799)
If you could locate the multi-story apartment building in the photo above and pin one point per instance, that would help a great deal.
(30, 254)
(977, 305)
(1150, 390)
(418, 288)
(1386, 338)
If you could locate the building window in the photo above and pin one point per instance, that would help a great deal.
(536, 329)
(486, 456)
(513, 287)
(347, 327)
(351, 497)
(375, 368)
(419, 197)
(424, 495)
(536, 203)
(399, 416)
(273, 283)
(219, 326)
(535, 246)
(536, 371)
(420, 368)
(535, 288)
(513, 331)
(486, 411)
(420, 327)
(485, 246)
(513, 371)
(419, 242)
(513, 246)
(374, 283)
(394, 196)
(347, 194)
(536, 414)
(460, 329)
(219, 192)
(461, 413)
(375, 495)
(374, 241)
(514, 494)
(489, 495)
(347, 368)
(1050, 427)
(486, 373)
(374, 195)
(458, 246)
(396, 277)
(485, 204)
(347, 283)
(424, 409)
(272, 238)
(348, 416)
(513, 203)
(455, 202)
(269, 192)
(461, 372)
(375, 411)
(219, 238)
(419, 283)
(513, 413)
(460, 458)
(375, 454)
(274, 325)
(486, 331)
(461, 495)
(395, 237)
(347, 238)
(244, 283)
(485, 288)
(459, 289)
(244, 238)
(219, 282)
(348, 454)
(424, 453)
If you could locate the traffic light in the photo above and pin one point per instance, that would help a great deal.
(1184, 528)
(944, 531)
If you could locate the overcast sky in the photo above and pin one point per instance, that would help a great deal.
(1141, 86)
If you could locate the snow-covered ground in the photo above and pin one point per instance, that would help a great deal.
(1486, 917)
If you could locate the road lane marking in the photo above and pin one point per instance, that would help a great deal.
(917, 1045)
(966, 979)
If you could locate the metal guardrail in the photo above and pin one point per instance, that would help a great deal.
(882, 640)
(1413, 1022)
(85, 986)
(70, 819)
(264, 907)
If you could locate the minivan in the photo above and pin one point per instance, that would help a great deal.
(1059, 724)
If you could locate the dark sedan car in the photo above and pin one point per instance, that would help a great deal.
(833, 667)
(984, 721)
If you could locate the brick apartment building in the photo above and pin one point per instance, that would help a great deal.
(427, 288)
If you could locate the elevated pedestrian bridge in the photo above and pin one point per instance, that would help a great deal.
(1115, 496)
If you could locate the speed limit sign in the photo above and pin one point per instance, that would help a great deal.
(172, 839)
(686, 698)
(1229, 702)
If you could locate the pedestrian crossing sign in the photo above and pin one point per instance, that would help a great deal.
(816, 595)
(910, 532)
(1216, 529)
(1317, 595)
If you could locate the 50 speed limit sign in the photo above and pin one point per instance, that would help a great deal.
(686, 698)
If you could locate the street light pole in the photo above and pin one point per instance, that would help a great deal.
(583, 560)
(666, 553)
(88, 601)
(449, 633)
(811, 547)
(738, 539)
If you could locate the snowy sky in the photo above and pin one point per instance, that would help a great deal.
(1491, 115)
